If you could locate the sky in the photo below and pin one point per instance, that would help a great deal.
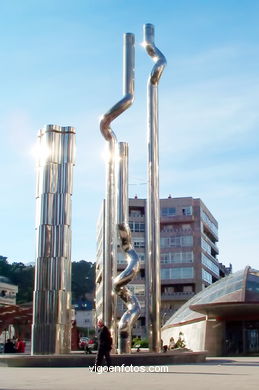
(61, 63)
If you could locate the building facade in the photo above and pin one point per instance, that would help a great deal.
(8, 292)
(85, 319)
(189, 254)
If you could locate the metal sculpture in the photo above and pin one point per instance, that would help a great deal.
(52, 294)
(127, 275)
(110, 264)
(153, 289)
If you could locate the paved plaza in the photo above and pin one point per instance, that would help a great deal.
(216, 373)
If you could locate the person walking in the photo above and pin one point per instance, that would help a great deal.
(104, 345)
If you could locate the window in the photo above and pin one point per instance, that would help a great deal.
(187, 210)
(138, 289)
(208, 222)
(176, 257)
(177, 273)
(206, 276)
(135, 213)
(137, 227)
(209, 264)
(187, 257)
(168, 211)
(178, 241)
(141, 257)
(139, 242)
(121, 258)
(187, 240)
(165, 273)
(205, 246)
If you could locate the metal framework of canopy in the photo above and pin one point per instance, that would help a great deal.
(14, 315)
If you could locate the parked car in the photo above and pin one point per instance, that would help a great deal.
(83, 342)
(92, 345)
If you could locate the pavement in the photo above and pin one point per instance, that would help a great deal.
(237, 373)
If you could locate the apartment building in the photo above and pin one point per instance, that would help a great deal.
(189, 254)
(8, 292)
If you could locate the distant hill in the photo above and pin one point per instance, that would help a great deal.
(22, 275)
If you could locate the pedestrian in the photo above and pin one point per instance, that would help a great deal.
(171, 343)
(104, 345)
(9, 347)
(163, 346)
(20, 345)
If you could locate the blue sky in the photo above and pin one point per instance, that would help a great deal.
(61, 63)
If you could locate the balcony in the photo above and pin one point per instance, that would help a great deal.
(212, 244)
(177, 219)
(209, 231)
(177, 296)
(8, 300)
(136, 218)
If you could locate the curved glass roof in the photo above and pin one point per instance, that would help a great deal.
(216, 292)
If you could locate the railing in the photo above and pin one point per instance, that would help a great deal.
(178, 295)
(212, 244)
(134, 218)
(7, 299)
(177, 218)
(209, 227)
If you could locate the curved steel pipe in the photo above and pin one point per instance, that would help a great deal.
(154, 53)
(128, 274)
(128, 87)
(153, 289)
(110, 266)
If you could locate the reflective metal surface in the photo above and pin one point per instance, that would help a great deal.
(128, 87)
(128, 274)
(52, 293)
(110, 265)
(153, 289)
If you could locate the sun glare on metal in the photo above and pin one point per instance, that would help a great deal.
(40, 152)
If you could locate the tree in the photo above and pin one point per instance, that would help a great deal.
(4, 266)
(83, 279)
(22, 275)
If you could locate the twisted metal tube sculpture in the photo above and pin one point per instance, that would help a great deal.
(153, 289)
(110, 266)
(128, 274)
(128, 89)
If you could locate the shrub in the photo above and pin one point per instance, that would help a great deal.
(142, 343)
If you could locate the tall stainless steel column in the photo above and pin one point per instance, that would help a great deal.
(52, 293)
(128, 274)
(153, 289)
(110, 247)
(110, 264)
